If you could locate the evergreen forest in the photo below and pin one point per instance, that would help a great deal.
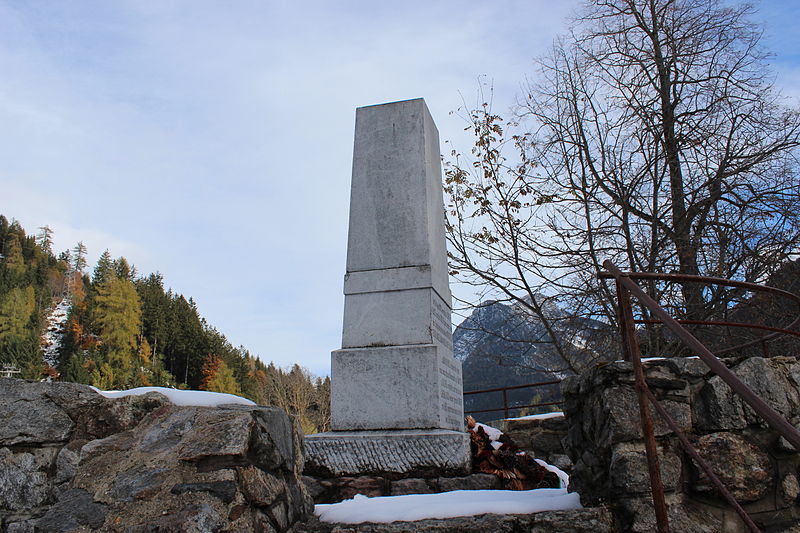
(122, 330)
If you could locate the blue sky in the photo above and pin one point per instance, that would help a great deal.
(212, 141)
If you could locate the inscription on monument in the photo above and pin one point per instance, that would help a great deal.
(440, 322)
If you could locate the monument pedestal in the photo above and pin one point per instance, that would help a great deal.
(401, 453)
(396, 389)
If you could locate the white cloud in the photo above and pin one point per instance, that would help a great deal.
(213, 142)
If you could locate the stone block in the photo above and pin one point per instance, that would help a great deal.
(394, 318)
(621, 420)
(396, 387)
(410, 486)
(423, 452)
(717, 407)
(396, 196)
(629, 473)
(162, 467)
(23, 479)
(471, 482)
(745, 469)
(29, 416)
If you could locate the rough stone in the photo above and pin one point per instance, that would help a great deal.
(638, 516)
(606, 446)
(596, 520)
(623, 423)
(31, 417)
(259, 488)
(629, 471)
(744, 469)
(790, 488)
(193, 518)
(315, 488)
(410, 486)
(66, 464)
(158, 467)
(472, 482)
(73, 509)
(23, 479)
(369, 486)
(224, 490)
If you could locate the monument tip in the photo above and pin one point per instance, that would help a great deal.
(394, 102)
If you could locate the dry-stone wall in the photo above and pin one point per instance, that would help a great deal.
(540, 437)
(72, 460)
(759, 467)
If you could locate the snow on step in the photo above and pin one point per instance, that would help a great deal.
(413, 507)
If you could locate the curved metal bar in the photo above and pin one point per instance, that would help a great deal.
(755, 287)
(772, 417)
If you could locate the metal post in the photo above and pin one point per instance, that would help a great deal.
(773, 418)
(505, 403)
(631, 349)
(704, 466)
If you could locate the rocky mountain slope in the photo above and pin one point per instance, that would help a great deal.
(502, 344)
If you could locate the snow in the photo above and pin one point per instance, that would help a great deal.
(412, 507)
(54, 332)
(182, 397)
(541, 416)
(646, 359)
(492, 433)
(563, 477)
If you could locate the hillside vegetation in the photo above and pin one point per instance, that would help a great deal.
(126, 330)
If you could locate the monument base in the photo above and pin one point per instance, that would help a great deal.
(400, 453)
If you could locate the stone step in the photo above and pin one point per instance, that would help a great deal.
(589, 520)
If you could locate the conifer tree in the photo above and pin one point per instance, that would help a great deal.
(12, 256)
(79, 257)
(16, 308)
(103, 270)
(117, 314)
(218, 377)
(45, 239)
(122, 269)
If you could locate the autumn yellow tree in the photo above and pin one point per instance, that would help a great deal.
(117, 315)
(16, 308)
(12, 256)
(218, 377)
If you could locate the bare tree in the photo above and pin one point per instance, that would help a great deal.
(652, 136)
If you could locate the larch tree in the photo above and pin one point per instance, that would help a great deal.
(16, 308)
(117, 315)
(12, 256)
(79, 257)
(45, 239)
(218, 376)
(652, 136)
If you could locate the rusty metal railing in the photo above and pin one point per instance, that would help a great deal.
(625, 287)
(506, 407)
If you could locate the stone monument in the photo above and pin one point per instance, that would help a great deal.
(396, 389)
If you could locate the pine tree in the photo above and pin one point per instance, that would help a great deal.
(45, 239)
(103, 270)
(12, 256)
(79, 257)
(122, 269)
